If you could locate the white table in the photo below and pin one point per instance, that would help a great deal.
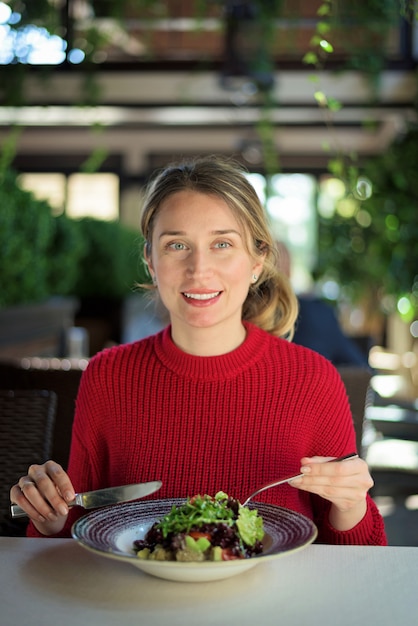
(53, 582)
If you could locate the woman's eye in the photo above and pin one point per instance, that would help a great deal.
(177, 246)
(222, 244)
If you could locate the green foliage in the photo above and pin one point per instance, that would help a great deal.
(112, 262)
(25, 233)
(35, 11)
(64, 254)
(43, 256)
(39, 253)
(373, 248)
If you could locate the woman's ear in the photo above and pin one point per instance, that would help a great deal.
(259, 264)
(147, 255)
(148, 261)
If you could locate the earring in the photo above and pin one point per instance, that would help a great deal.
(255, 278)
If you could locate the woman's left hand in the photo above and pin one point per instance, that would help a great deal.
(345, 484)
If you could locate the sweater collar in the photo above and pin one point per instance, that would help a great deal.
(212, 367)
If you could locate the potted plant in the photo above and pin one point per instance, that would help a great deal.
(56, 271)
(30, 274)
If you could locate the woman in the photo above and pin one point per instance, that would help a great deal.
(220, 399)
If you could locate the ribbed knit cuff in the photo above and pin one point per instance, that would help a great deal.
(369, 531)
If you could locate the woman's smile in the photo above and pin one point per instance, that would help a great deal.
(201, 298)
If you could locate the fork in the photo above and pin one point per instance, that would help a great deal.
(281, 481)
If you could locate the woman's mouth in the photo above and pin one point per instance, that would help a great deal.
(201, 296)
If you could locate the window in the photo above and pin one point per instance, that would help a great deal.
(291, 208)
(93, 195)
(78, 195)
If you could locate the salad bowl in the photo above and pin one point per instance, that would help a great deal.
(111, 532)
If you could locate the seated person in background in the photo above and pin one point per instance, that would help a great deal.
(317, 326)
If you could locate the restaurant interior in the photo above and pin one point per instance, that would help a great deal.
(316, 99)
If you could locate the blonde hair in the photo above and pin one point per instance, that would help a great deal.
(271, 303)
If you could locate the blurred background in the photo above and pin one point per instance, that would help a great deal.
(317, 99)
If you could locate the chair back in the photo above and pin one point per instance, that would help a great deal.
(26, 426)
(357, 384)
(58, 375)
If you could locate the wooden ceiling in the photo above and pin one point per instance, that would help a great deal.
(168, 82)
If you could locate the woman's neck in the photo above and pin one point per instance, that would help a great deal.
(212, 341)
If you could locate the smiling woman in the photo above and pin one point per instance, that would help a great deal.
(220, 385)
(221, 226)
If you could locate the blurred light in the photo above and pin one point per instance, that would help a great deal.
(346, 207)
(331, 290)
(414, 329)
(46, 49)
(363, 218)
(411, 503)
(325, 45)
(363, 189)
(326, 206)
(5, 13)
(252, 153)
(93, 195)
(259, 183)
(404, 306)
(6, 46)
(15, 18)
(381, 360)
(76, 56)
(30, 44)
(291, 209)
(334, 187)
(49, 187)
(293, 184)
(387, 385)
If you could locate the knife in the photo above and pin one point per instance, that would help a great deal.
(103, 497)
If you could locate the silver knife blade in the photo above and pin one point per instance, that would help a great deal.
(104, 497)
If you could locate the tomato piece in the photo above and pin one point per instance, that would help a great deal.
(196, 534)
(228, 555)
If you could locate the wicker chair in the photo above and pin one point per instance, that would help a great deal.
(26, 425)
(357, 384)
(64, 382)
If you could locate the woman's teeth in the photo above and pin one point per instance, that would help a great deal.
(202, 296)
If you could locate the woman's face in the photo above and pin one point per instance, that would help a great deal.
(200, 262)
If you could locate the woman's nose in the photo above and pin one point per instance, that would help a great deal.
(199, 263)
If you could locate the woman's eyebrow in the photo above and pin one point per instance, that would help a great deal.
(172, 233)
(182, 233)
(229, 231)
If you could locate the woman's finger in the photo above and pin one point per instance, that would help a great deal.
(345, 484)
(43, 494)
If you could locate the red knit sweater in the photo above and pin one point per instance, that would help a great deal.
(148, 411)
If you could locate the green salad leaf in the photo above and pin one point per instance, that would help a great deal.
(196, 512)
(250, 526)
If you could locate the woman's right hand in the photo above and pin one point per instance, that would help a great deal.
(43, 494)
